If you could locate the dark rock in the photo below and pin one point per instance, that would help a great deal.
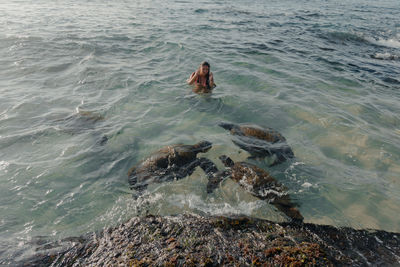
(215, 241)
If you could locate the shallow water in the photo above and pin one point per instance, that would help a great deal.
(325, 75)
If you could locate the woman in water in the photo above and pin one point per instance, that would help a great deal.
(202, 78)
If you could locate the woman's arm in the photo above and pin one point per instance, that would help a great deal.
(212, 84)
(193, 77)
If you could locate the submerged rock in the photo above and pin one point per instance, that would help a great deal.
(260, 142)
(192, 240)
(169, 163)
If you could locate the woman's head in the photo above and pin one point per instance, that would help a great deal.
(205, 68)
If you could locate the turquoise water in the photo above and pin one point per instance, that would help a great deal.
(324, 74)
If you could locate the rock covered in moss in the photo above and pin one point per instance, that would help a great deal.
(192, 240)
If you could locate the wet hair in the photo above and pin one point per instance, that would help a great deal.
(205, 63)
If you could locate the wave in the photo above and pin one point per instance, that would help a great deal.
(200, 10)
(392, 42)
(344, 37)
(385, 56)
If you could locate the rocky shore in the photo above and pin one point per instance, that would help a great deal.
(193, 240)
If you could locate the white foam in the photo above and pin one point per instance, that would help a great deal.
(306, 185)
(195, 202)
(4, 165)
(268, 192)
(392, 42)
(386, 56)
(87, 58)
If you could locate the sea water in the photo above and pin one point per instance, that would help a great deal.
(90, 88)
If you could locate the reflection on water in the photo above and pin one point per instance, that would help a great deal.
(199, 89)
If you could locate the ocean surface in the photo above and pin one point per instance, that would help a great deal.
(90, 88)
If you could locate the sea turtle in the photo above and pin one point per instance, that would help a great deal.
(82, 122)
(258, 183)
(260, 142)
(170, 163)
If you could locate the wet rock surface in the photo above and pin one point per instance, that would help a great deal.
(192, 240)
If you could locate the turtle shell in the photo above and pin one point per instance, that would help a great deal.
(262, 185)
(266, 134)
(167, 163)
(259, 142)
(257, 181)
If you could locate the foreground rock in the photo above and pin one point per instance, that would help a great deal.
(191, 240)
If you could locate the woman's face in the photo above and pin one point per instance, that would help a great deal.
(204, 69)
